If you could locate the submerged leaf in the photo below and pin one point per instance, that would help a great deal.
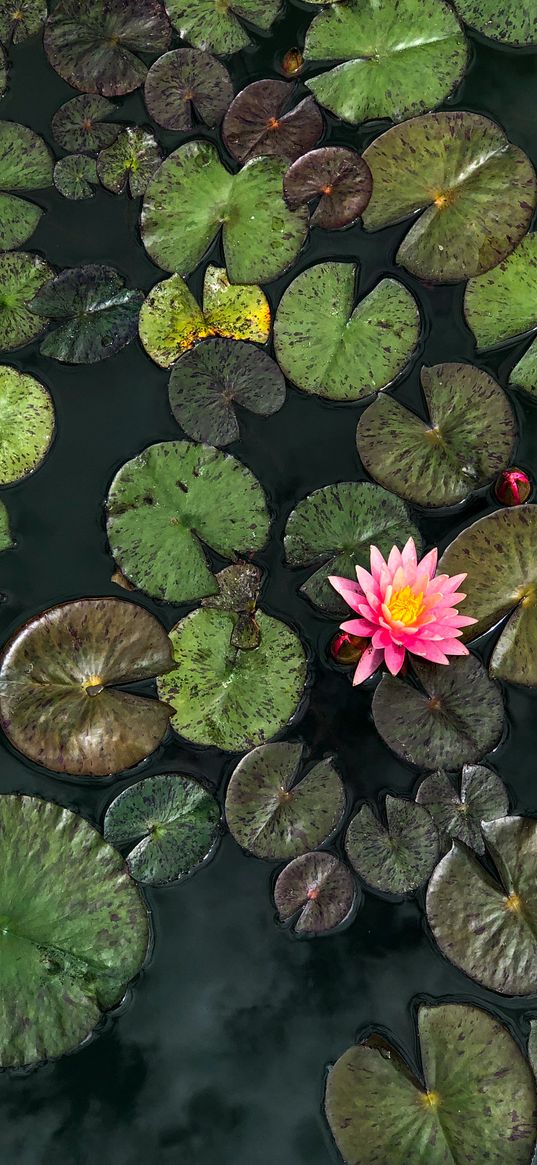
(483, 797)
(79, 126)
(75, 176)
(93, 44)
(20, 19)
(27, 424)
(399, 859)
(219, 27)
(100, 314)
(130, 162)
(259, 123)
(25, 164)
(184, 82)
(22, 274)
(338, 177)
(319, 889)
(239, 586)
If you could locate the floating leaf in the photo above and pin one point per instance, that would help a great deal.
(475, 1103)
(467, 441)
(25, 164)
(169, 824)
(228, 698)
(261, 236)
(20, 19)
(397, 59)
(500, 306)
(219, 27)
(273, 814)
(6, 541)
(21, 276)
(169, 502)
(184, 82)
(479, 192)
(60, 701)
(75, 176)
(454, 717)
(458, 818)
(130, 162)
(99, 314)
(74, 930)
(319, 889)
(93, 44)
(333, 529)
(511, 23)
(338, 177)
(397, 859)
(260, 123)
(26, 424)
(238, 590)
(79, 124)
(328, 347)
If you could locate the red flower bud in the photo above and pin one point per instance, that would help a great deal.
(513, 487)
(347, 649)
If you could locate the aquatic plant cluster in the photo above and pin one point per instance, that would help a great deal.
(225, 186)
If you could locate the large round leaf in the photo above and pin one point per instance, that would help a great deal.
(476, 1101)
(75, 176)
(230, 698)
(6, 541)
(483, 797)
(398, 58)
(25, 164)
(93, 44)
(169, 502)
(20, 19)
(192, 195)
(26, 424)
(274, 814)
(502, 305)
(454, 717)
(329, 347)
(74, 930)
(317, 890)
(168, 823)
(99, 314)
(333, 529)
(79, 124)
(260, 123)
(479, 192)
(184, 81)
(21, 276)
(59, 700)
(396, 859)
(130, 162)
(468, 440)
(338, 178)
(511, 22)
(219, 27)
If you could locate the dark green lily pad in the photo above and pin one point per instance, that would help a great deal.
(468, 440)
(168, 503)
(499, 555)
(317, 888)
(20, 19)
(261, 236)
(6, 541)
(228, 698)
(454, 717)
(483, 797)
(397, 859)
(273, 814)
(184, 82)
(60, 703)
(333, 529)
(79, 125)
(337, 177)
(259, 123)
(219, 27)
(99, 314)
(93, 44)
(75, 176)
(130, 162)
(169, 824)
(502, 306)
(25, 164)
(26, 424)
(511, 22)
(22, 274)
(75, 930)
(476, 192)
(239, 586)
(397, 58)
(208, 381)
(475, 1102)
(488, 927)
(329, 347)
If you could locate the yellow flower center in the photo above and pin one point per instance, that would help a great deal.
(513, 903)
(431, 1099)
(405, 606)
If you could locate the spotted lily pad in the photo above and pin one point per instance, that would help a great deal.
(511, 22)
(130, 162)
(6, 541)
(333, 529)
(25, 164)
(75, 176)
(79, 125)
(238, 590)
(260, 122)
(184, 82)
(331, 348)
(397, 58)
(226, 697)
(94, 44)
(168, 503)
(468, 439)
(22, 274)
(317, 890)
(274, 814)
(20, 19)
(74, 930)
(397, 859)
(219, 27)
(168, 823)
(474, 1103)
(26, 424)
(452, 716)
(501, 306)
(337, 177)
(60, 701)
(261, 236)
(98, 314)
(483, 797)
(476, 192)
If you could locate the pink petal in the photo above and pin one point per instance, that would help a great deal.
(369, 607)
(349, 590)
(432, 652)
(455, 647)
(429, 562)
(394, 657)
(368, 664)
(378, 562)
(408, 554)
(358, 627)
(381, 639)
(366, 581)
(394, 559)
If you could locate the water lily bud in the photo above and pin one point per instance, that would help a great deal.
(292, 62)
(513, 487)
(347, 649)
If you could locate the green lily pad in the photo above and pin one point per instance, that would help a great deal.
(79, 125)
(75, 930)
(476, 192)
(94, 44)
(259, 123)
(75, 176)
(27, 424)
(397, 58)
(60, 703)
(499, 555)
(510, 23)
(474, 1103)
(397, 859)
(99, 314)
(169, 824)
(168, 503)
(192, 196)
(22, 274)
(185, 81)
(219, 27)
(338, 178)
(25, 164)
(317, 890)
(483, 797)
(239, 586)
(468, 440)
(208, 381)
(454, 717)
(6, 541)
(130, 162)
(501, 306)
(230, 698)
(333, 529)
(488, 927)
(20, 19)
(273, 814)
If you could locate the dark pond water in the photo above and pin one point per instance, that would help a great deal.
(220, 1052)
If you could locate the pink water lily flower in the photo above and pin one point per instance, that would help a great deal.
(404, 607)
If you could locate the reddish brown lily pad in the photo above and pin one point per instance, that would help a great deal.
(338, 177)
(260, 123)
(319, 889)
(184, 82)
